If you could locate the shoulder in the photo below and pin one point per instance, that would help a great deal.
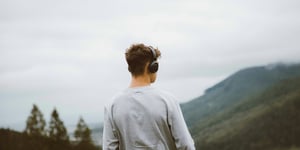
(168, 97)
(166, 94)
(108, 105)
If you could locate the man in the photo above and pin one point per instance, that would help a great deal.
(143, 117)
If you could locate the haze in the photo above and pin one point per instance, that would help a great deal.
(70, 54)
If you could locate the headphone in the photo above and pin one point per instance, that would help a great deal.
(153, 66)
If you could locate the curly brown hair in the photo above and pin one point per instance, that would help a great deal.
(137, 56)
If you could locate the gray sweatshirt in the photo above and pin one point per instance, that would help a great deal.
(145, 118)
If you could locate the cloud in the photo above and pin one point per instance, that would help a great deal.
(70, 54)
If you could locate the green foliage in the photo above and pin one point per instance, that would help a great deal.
(35, 124)
(57, 130)
(269, 120)
(238, 87)
(82, 132)
(35, 138)
(12, 140)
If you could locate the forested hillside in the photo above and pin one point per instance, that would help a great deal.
(240, 86)
(265, 119)
(268, 121)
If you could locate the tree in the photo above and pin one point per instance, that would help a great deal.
(82, 133)
(35, 124)
(57, 130)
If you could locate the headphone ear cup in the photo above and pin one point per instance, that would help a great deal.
(153, 67)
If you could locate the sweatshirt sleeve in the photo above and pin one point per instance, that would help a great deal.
(110, 135)
(180, 132)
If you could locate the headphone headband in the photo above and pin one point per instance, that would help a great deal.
(153, 52)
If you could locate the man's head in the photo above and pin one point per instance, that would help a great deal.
(139, 59)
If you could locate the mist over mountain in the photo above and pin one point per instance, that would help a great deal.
(241, 85)
(255, 108)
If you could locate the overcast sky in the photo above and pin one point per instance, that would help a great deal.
(69, 54)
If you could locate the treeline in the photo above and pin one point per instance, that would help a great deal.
(37, 137)
(267, 121)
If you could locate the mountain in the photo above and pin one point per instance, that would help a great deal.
(269, 120)
(255, 108)
(236, 88)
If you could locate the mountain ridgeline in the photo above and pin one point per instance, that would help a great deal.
(255, 108)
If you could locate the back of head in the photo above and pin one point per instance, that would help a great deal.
(138, 56)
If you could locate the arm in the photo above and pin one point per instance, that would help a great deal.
(180, 132)
(110, 135)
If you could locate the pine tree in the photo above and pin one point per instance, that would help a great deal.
(57, 130)
(35, 125)
(82, 133)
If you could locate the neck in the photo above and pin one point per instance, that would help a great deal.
(139, 81)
